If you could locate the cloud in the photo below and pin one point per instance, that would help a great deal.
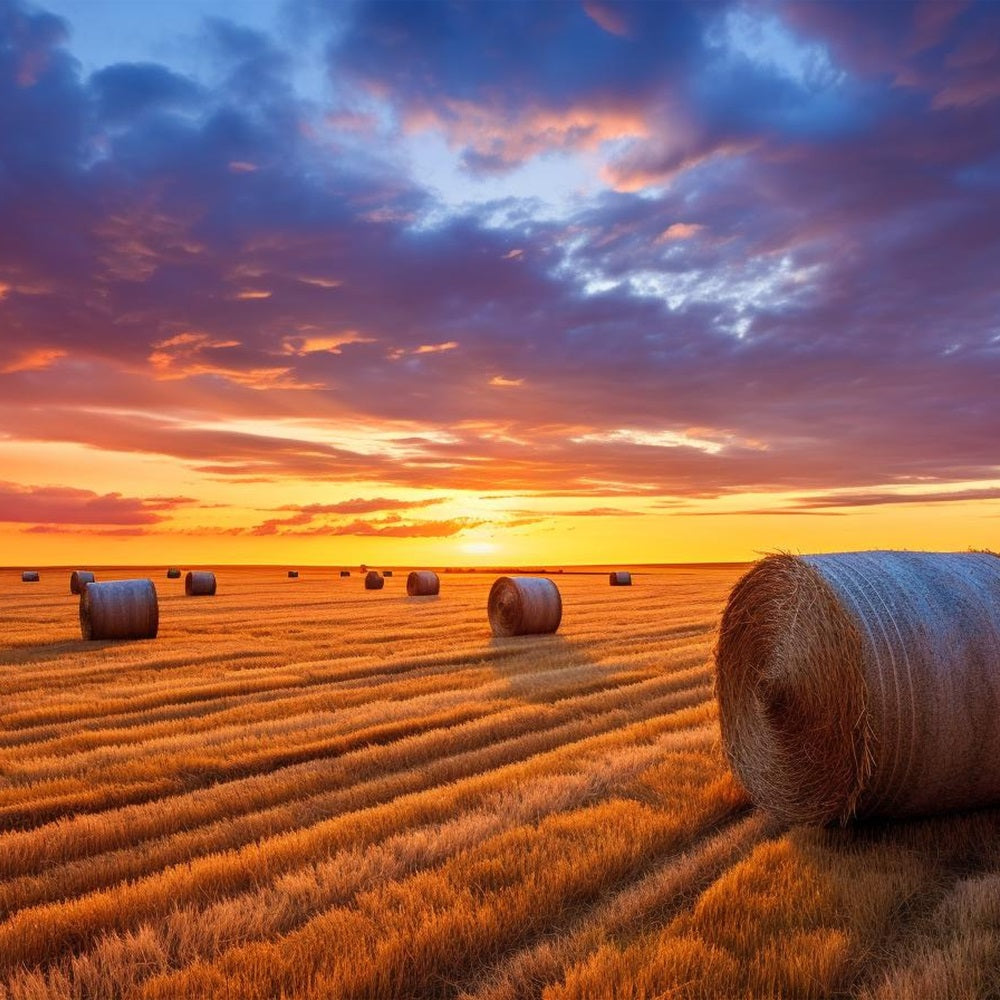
(66, 505)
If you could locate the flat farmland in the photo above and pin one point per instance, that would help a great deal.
(303, 789)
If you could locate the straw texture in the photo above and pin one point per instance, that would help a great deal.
(121, 609)
(199, 583)
(173, 574)
(79, 579)
(524, 605)
(29, 576)
(620, 578)
(423, 583)
(373, 580)
(863, 684)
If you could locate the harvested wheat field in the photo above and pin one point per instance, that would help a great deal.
(314, 790)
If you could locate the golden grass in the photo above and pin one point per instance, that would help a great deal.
(312, 791)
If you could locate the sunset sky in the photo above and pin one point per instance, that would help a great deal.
(494, 283)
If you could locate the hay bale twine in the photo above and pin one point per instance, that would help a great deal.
(863, 683)
(373, 580)
(79, 579)
(293, 574)
(120, 609)
(173, 574)
(199, 583)
(29, 576)
(620, 578)
(345, 572)
(423, 583)
(524, 605)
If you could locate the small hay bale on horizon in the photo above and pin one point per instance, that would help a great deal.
(79, 579)
(524, 605)
(30, 576)
(374, 580)
(423, 583)
(199, 583)
(293, 574)
(173, 573)
(620, 578)
(119, 609)
(344, 573)
(863, 684)
(387, 572)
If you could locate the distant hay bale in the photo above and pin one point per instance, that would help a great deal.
(423, 583)
(121, 609)
(620, 578)
(863, 683)
(173, 574)
(29, 576)
(524, 605)
(293, 574)
(199, 583)
(79, 579)
(387, 572)
(345, 572)
(373, 580)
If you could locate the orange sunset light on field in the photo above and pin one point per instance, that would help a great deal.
(646, 283)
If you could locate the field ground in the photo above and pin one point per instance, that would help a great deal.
(302, 789)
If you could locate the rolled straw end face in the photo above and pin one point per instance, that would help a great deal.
(79, 579)
(524, 605)
(199, 583)
(423, 583)
(374, 580)
(120, 609)
(791, 692)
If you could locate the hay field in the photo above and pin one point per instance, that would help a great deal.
(303, 789)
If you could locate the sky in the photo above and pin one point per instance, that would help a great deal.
(507, 283)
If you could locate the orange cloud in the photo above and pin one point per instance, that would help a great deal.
(506, 383)
(33, 360)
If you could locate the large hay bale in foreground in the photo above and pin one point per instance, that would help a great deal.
(863, 683)
(524, 605)
(29, 576)
(620, 578)
(120, 609)
(423, 583)
(79, 579)
(173, 574)
(373, 580)
(199, 583)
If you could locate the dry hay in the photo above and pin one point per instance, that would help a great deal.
(423, 583)
(29, 576)
(121, 609)
(863, 684)
(620, 578)
(387, 572)
(345, 572)
(79, 579)
(199, 583)
(173, 574)
(374, 580)
(293, 574)
(524, 605)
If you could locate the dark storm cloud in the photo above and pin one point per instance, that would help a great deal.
(806, 282)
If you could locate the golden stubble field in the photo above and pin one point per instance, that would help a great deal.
(302, 789)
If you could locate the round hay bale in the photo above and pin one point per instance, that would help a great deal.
(524, 605)
(423, 583)
(293, 574)
(620, 578)
(199, 583)
(863, 683)
(173, 574)
(345, 572)
(373, 580)
(29, 576)
(120, 609)
(79, 579)
(387, 572)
